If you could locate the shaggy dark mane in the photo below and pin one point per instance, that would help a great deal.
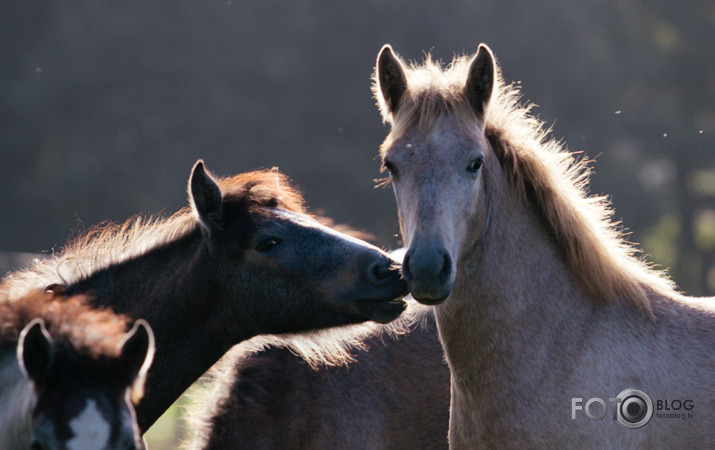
(109, 243)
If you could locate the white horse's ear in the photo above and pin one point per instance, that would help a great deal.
(35, 351)
(391, 81)
(205, 198)
(481, 80)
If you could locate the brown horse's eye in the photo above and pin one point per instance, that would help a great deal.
(267, 244)
(475, 165)
(390, 167)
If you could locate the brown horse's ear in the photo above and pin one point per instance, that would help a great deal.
(480, 81)
(137, 355)
(391, 81)
(205, 198)
(138, 347)
(56, 290)
(35, 351)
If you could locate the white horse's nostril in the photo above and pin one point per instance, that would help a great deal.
(428, 264)
(428, 272)
(446, 268)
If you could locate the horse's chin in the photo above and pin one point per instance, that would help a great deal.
(429, 301)
(381, 311)
(430, 297)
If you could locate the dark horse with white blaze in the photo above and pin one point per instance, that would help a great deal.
(244, 259)
(540, 302)
(70, 374)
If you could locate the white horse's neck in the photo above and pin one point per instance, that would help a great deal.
(515, 274)
(522, 339)
(513, 307)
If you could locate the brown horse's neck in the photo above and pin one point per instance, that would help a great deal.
(172, 287)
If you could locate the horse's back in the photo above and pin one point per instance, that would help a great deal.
(396, 395)
(668, 356)
(684, 344)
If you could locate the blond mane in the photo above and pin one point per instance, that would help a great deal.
(538, 167)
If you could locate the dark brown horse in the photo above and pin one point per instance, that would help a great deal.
(395, 395)
(69, 374)
(244, 259)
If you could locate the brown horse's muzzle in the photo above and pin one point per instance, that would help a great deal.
(380, 297)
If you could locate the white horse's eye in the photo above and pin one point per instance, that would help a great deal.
(475, 165)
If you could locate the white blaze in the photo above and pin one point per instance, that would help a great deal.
(90, 429)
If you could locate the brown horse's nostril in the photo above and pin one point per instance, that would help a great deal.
(406, 268)
(380, 272)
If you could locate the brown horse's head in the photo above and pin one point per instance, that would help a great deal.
(290, 272)
(84, 394)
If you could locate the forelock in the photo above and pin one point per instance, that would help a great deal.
(434, 90)
(263, 189)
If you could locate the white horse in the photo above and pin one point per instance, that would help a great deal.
(544, 311)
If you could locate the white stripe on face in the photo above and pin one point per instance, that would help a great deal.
(90, 429)
(309, 222)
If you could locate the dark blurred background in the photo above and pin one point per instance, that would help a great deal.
(105, 106)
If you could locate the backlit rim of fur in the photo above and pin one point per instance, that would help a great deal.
(602, 260)
(328, 347)
(108, 243)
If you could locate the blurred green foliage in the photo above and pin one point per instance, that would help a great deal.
(659, 241)
(168, 432)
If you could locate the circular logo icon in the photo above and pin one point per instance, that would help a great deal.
(635, 409)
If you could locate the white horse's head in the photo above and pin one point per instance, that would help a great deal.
(434, 156)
